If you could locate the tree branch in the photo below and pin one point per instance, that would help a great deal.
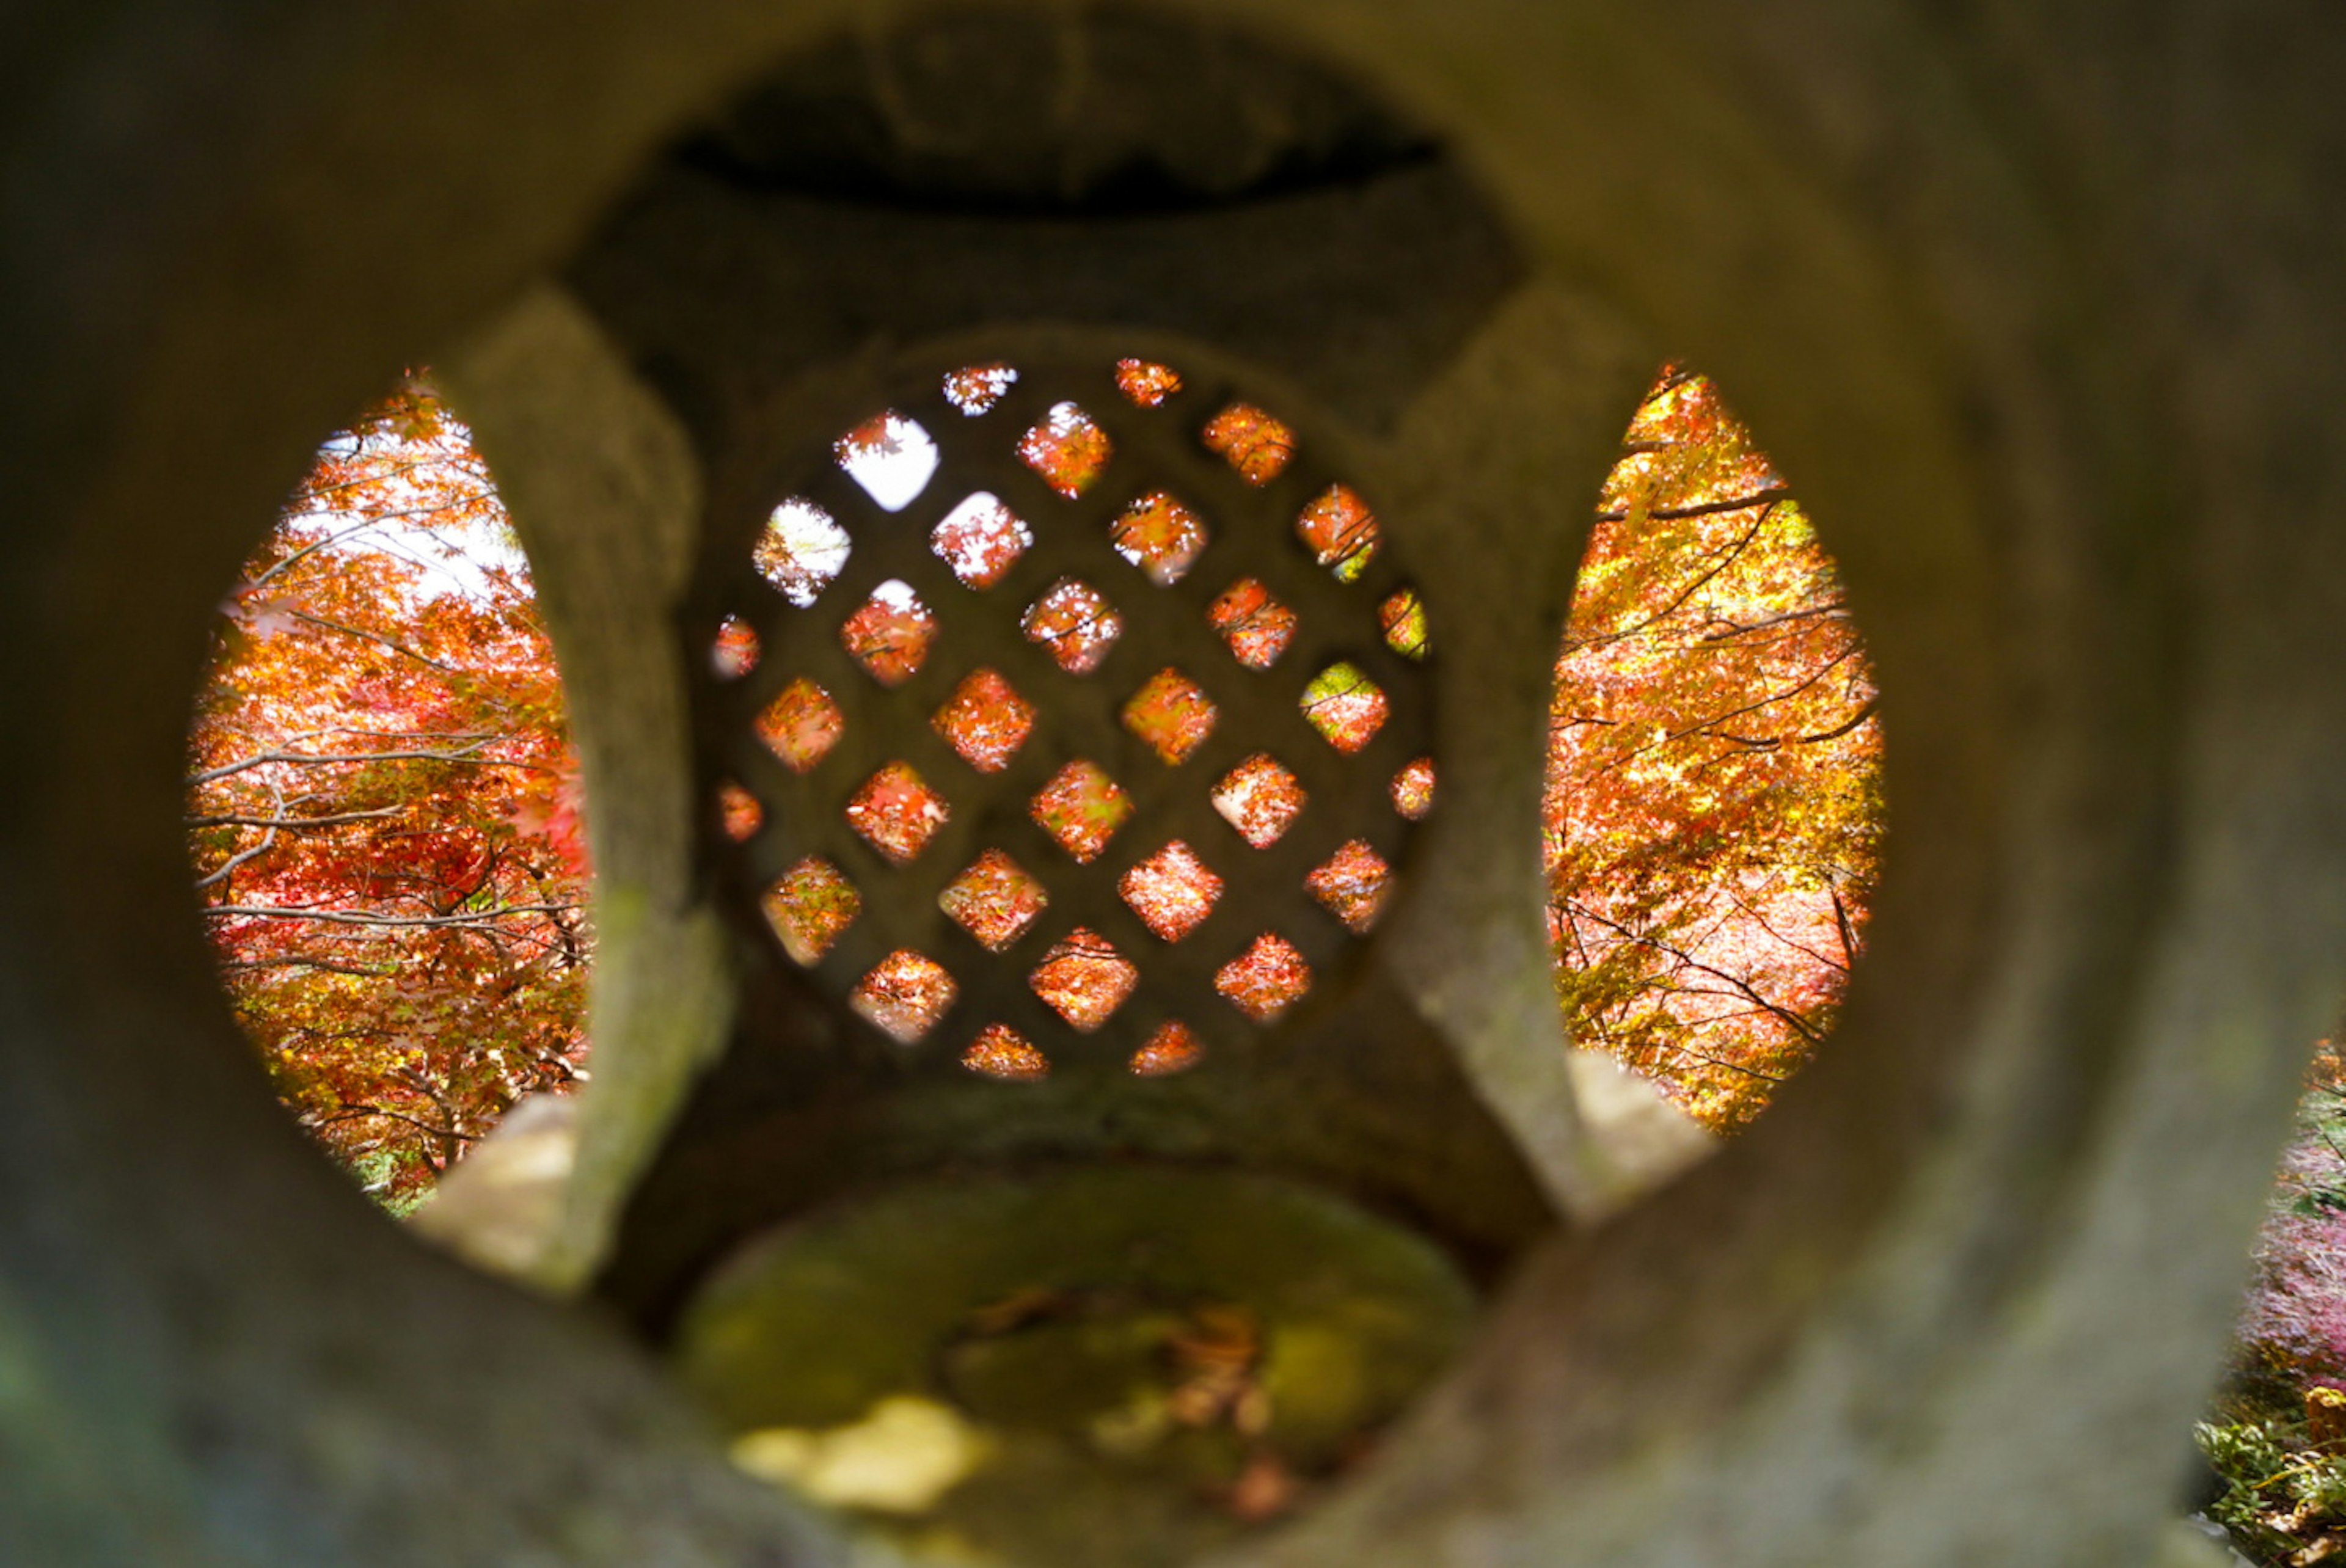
(1741, 986)
(1724, 559)
(357, 970)
(227, 867)
(469, 754)
(337, 821)
(355, 917)
(378, 639)
(1773, 493)
(352, 1113)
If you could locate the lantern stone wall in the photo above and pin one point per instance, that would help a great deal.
(2039, 303)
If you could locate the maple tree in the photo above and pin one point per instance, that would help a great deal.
(382, 807)
(384, 820)
(1713, 809)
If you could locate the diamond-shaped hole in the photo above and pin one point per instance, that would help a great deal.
(1339, 531)
(890, 634)
(993, 900)
(1174, 1048)
(1352, 883)
(802, 725)
(985, 720)
(896, 813)
(1260, 799)
(734, 653)
(889, 457)
(1412, 788)
(980, 539)
(1171, 714)
(1073, 624)
(1001, 1052)
(1257, 627)
(1265, 980)
(1251, 441)
(1145, 383)
(809, 907)
(1066, 449)
(1345, 706)
(1403, 619)
(1160, 536)
(1082, 807)
(975, 388)
(738, 811)
(905, 994)
(801, 550)
(1083, 979)
(1172, 892)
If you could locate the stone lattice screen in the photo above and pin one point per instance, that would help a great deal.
(1066, 694)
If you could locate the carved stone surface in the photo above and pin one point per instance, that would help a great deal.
(2038, 304)
(1246, 533)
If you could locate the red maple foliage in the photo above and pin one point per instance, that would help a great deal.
(383, 815)
(382, 807)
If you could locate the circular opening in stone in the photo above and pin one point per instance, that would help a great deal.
(1713, 811)
(383, 809)
(1131, 729)
(1146, 800)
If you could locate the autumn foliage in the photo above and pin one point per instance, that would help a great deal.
(382, 807)
(1713, 808)
(384, 831)
(2275, 1438)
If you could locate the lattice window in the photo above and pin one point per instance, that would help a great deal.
(1083, 716)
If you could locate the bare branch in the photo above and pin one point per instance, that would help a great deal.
(1726, 558)
(321, 543)
(470, 755)
(1770, 742)
(355, 917)
(1728, 629)
(1762, 497)
(338, 820)
(352, 1113)
(1741, 986)
(392, 644)
(359, 971)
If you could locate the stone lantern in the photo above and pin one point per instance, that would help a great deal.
(2042, 310)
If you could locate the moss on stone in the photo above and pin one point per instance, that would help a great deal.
(1129, 1340)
